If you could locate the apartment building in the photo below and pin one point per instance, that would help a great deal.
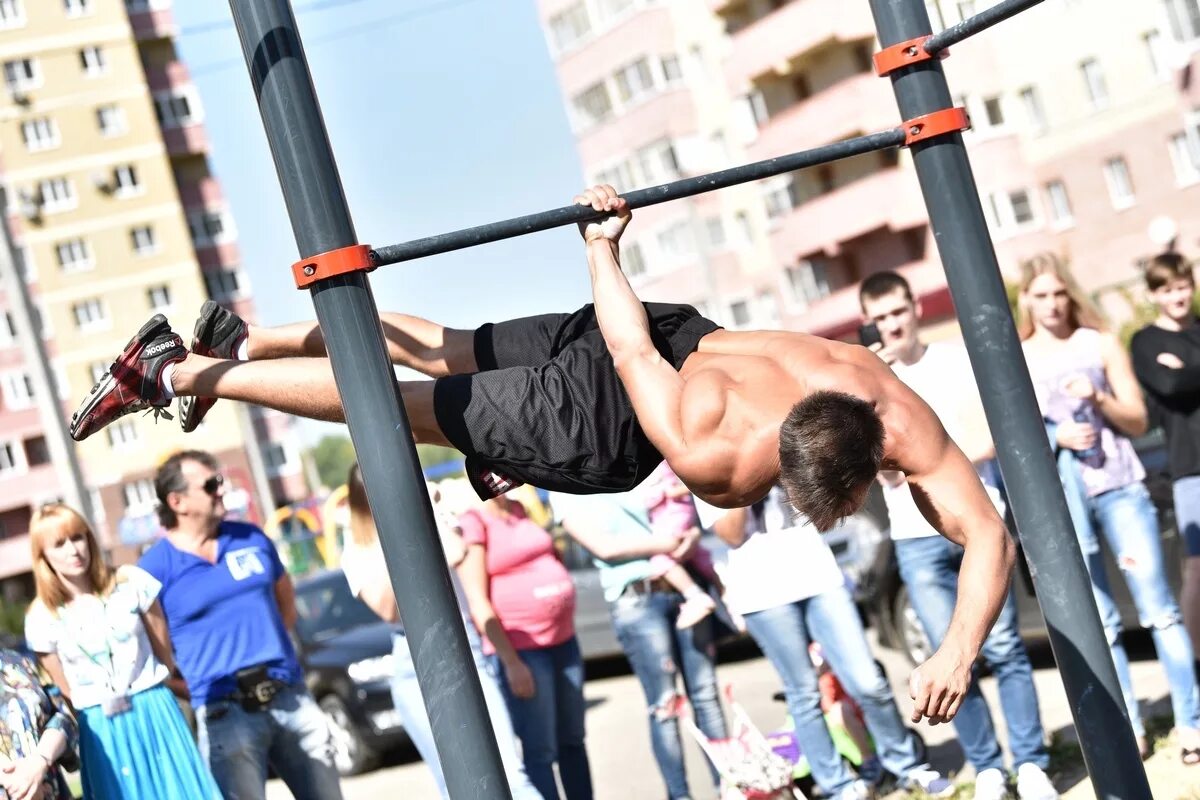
(115, 215)
(1080, 141)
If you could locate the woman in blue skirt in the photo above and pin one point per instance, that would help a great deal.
(101, 635)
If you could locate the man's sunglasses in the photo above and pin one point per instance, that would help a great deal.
(213, 485)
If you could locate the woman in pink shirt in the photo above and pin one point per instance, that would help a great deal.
(522, 600)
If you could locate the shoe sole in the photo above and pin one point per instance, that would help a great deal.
(193, 409)
(106, 384)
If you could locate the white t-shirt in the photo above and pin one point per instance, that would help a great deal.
(780, 562)
(101, 642)
(943, 379)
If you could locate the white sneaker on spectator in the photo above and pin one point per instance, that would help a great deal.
(1034, 784)
(991, 784)
(694, 609)
(859, 790)
(928, 780)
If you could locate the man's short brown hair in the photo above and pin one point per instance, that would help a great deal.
(830, 449)
(1166, 268)
(881, 284)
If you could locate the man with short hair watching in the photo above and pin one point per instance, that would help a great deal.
(229, 605)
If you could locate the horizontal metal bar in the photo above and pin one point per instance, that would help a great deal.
(571, 215)
(980, 22)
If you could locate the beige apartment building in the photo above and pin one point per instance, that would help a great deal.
(1084, 134)
(115, 215)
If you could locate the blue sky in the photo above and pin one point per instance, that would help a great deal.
(448, 118)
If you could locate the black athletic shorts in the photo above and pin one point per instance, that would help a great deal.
(547, 408)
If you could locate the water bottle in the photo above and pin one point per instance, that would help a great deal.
(1094, 455)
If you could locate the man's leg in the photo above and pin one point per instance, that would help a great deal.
(235, 744)
(929, 568)
(781, 634)
(302, 746)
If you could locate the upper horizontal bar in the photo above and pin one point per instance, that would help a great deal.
(980, 22)
(574, 214)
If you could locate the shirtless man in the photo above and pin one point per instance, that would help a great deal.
(593, 401)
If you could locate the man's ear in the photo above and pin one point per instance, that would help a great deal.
(919, 310)
(175, 501)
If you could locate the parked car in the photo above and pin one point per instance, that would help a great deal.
(884, 597)
(346, 652)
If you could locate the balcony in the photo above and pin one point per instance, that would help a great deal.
(861, 104)
(152, 24)
(669, 115)
(168, 76)
(186, 141)
(215, 256)
(796, 28)
(888, 198)
(839, 315)
(203, 193)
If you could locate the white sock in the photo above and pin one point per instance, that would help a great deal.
(164, 379)
(243, 350)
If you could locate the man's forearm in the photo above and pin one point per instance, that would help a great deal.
(619, 313)
(983, 582)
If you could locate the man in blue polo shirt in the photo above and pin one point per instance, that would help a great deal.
(229, 603)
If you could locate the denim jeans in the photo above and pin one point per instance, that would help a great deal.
(550, 724)
(929, 567)
(784, 633)
(1187, 512)
(290, 734)
(406, 697)
(1129, 522)
(658, 652)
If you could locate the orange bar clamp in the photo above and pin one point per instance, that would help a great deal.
(904, 54)
(352, 258)
(938, 123)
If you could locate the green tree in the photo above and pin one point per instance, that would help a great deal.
(333, 456)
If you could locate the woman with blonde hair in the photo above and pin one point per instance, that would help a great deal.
(366, 572)
(101, 635)
(1092, 404)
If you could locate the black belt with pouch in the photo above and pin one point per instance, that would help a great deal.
(256, 689)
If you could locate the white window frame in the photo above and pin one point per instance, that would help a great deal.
(93, 60)
(1001, 211)
(1157, 51)
(12, 458)
(159, 297)
(985, 123)
(199, 228)
(1116, 172)
(143, 240)
(16, 385)
(676, 240)
(78, 8)
(12, 14)
(1185, 159)
(290, 464)
(8, 329)
(97, 370)
(139, 497)
(805, 283)
(658, 162)
(1058, 200)
(778, 197)
(1184, 18)
(74, 255)
(219, 279)
(57, 195)
(40, 133)
(31, 79)
(125, 181)
(169, 113)
(563, 30)
(584, 117)
(633, 261)
(1035, 109)
(1095, 83)
(90, 314)
(123, 435)
(117, 124)
(634, 81)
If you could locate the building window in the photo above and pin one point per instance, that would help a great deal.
(143, 240)
(22, 74)
(77, 8)
(92, 60)
(223, 284)
(1022, 207)
(74, 255)
(1011, 211)
(125, 181)
(37, 453)
(632, 260)
(569, 26)
(634, 81)
(739, 313)
(592, 105)
(619, 176)
(993, 112)
(208, 227)
(90, 315)
(672, 70)
(1031, 99)
(675, 241)
(714, 230)
(122, 434)
(17, 388)
(176, 109)
(1120, 183)
(1060, 203)
(11, 459)
(1097, 87)
(778, 196)
(159, 297)
(807, 282)
(277, 459)
(139, 497)
(111, 120)
(12, 14)
(40, 134)
(1185, 19)
(966, 9)
(658, 162)
(1155, 53)
(8, 329)
(57, 194)
(98, 370)
(1183, 159)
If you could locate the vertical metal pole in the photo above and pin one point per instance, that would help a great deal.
(379, 427)
(1031, 479)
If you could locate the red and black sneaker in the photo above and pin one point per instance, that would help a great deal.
(218, 334)
(133, 382)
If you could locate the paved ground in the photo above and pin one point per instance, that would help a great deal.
(623, 767)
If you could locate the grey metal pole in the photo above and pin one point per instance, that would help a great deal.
(1047, 534)
(379, 427)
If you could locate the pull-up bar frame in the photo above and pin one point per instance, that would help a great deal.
(379, 427)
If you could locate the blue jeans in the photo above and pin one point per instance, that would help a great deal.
(784, 633)
(929, 567)
(658, 652)
(1129, 522)
(290, 734)
(406, 697)
(1187, 512)
(550, 724)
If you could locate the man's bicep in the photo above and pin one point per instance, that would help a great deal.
(655, 390)
(951, 496)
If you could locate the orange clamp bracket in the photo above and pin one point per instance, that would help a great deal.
(939, 123)
(353, 258)
(904, 54)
